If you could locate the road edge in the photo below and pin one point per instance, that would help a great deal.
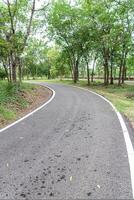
(32, 112)
(129, 146)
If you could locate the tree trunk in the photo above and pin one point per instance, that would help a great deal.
(106, 69)
(88, 74)
(20, 73)
(111, 76)
(124, 68)
(10, 74)
(111, 72)
(120, 72)
(14, 72)
(92, 74)
(120, 69)
(107, 75)
(75, 75)
(20, 69)
(10, 70)
(125, 73)
(76, 72)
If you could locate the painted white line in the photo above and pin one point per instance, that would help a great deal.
(129, 146)
(31, 113)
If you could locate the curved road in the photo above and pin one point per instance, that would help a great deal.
(72, 148)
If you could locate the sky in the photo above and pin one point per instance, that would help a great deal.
(40, 3)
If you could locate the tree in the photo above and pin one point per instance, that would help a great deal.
(63, 25)
(16, 32)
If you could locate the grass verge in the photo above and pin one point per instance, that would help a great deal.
(18, 100)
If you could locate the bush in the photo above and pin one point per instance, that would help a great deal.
(2, 74)
(13, 88)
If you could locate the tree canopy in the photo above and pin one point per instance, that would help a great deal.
(67, 39)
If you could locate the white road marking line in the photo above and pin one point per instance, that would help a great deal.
(129, 146)
(7, 165)
(31, 113)
(21, 138)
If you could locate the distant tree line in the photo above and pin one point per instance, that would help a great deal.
(101, 31)
(85, 39)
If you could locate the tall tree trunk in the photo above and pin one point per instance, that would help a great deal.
(124, 68)
(92, 74)
(106, 68)
(20, 72)
(111, 72)
(76, 71)
(120, 70)
(19, 62)
(111, 75)
(10, 73)
(75, 74)
(88, 74)
(10, 70)
(125, 73)
(14, 72)
(107, 75)
(13, 63)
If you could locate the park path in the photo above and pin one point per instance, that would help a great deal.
(72, 148)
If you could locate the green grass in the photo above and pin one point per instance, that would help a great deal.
(12, 100)
(122, 97)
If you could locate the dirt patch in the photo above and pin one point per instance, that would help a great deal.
(35, 98)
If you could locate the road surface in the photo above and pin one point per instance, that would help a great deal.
(73, 148)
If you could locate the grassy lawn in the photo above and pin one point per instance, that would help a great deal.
(12, 100)
(121, 97)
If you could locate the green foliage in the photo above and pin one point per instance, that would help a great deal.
(2, 74)
(11, 99)
(89, 28)
(72, 34)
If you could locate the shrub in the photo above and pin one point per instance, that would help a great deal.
(2, 74)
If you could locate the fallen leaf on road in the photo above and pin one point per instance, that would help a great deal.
(71, 178)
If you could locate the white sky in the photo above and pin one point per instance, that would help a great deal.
(40, 3)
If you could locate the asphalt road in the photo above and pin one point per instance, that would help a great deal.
(73, 148)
